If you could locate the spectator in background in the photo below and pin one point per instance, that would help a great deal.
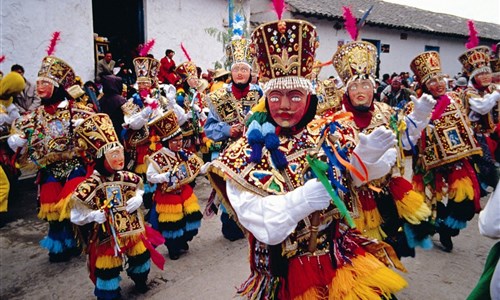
(383, 84)
(105, 66)
(112, 101)
(167, 73)
(395, 94)
(126, 73)
(27, 100)
(460, 84)
(94, 93)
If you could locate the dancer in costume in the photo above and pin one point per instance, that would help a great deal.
(47, 135)
(109, 200)
(176, 212)
(301, 246)
(443, 172)
(230, 107)
(10, 85)
(481, 102)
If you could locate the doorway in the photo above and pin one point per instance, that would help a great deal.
(122, 23)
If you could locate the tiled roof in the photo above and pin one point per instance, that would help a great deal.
(396, 16)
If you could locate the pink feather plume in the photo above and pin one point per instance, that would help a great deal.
(185, 52)
(350, 23)
(279, 7)
(473, 38)
(147, 47)
(53, 42)
(2, 58)
(494, 49)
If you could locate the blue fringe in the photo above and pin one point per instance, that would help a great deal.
(454, 223)
(70, 243)
(108, 285)
(107, 294)
(173, 234)
(193, 225)
(149, 188)
(256, 141)
(426, 243)
(278, 158)
(139, 269)
(153, 217)
(53, 246)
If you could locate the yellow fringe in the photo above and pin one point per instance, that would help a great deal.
(461, 190)
(169, 208)
(191, 205)
(4, 190)
(413, 208)
(52, 211)
(108, 262)
(314, 293)
(141, 169)
(366, 278)
(372, 218)
(170, 217)
(374, 233)
(64, 207)
(138, 249)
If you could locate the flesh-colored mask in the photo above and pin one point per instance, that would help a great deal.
(114, 159)
(287, 106)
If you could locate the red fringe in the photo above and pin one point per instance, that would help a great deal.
(171, 198)
(439, 182)
(399, 186)
(49, 192)
(492, 144)
(70, 186)
(418, 183)
(367, 200)
(92, 259)
(308, 272)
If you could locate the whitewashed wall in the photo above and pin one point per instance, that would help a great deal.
(27, 27)
(174, 21)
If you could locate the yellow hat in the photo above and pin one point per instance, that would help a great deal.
(238, 51)
(426, 65)
(10, 85)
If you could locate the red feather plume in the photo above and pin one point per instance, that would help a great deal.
(185, 52)
(52, 46)
(473, 38)
(2, 58)
(147, 47)
(279, 7)
(350, 23)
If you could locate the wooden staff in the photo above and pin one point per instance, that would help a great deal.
(313, 239)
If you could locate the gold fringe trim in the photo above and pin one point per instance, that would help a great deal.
(191, 205)
(141, 168)
(108, 262)
(170, 217)
(138, 249)
(413, 208)
(372, 218)
(52, 211)
(461, 190)
(169, 208)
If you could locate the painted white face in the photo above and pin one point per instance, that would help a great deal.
(361, 92)
(240, 73)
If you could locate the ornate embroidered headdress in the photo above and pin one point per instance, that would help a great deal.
(165, 126)
(187, 70)
(146, 68)
(425, 65)
(354, 60)
(285, 51)
(475, 60)
(238, 49)
(56, 70)
(96, 135)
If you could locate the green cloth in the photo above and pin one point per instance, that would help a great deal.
(482, 289)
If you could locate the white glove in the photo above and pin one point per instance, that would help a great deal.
(372, 146)
(133, 203)
(166, 177)
(145, 113)
(140, 119)
(376, 153)
(315, 194)
(196, 108)
(16, 141)
(170, 94)
(422, 107)
(76, 122)
(97, 216)
(485, 104)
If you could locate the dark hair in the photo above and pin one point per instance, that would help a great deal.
(385, 76)
(168, 51)
(16, 68)
(108, 52)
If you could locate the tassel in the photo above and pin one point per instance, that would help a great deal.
(156, 257)
(146, 48)
(473, 40)
(53, 42)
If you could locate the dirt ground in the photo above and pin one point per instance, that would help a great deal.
(213, 267)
